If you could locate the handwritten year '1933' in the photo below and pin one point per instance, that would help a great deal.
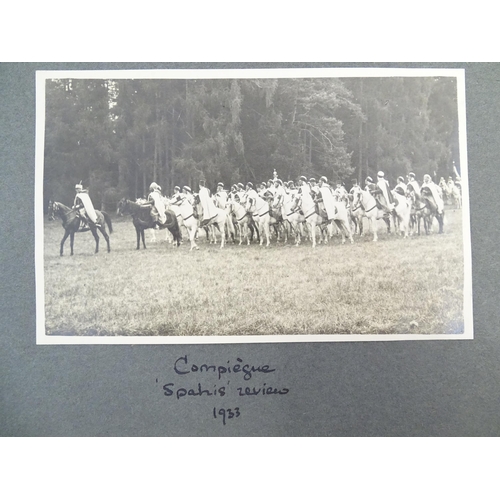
(226, 414)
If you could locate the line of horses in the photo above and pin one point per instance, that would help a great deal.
(299, 216)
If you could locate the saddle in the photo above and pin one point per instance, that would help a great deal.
(321, 211)
(84, 222)
(275, 214)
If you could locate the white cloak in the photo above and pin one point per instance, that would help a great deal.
(384, 187)
(437, 196)
(159, 205)
(87, 204)
(209, 209)
(415, 186)
(328, 201)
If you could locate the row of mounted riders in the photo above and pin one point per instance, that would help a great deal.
(299, 213)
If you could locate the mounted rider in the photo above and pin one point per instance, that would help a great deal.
(291, 189)
(340, 192)
(401, 186)
(84, 206)
(177, 197)
(188, 194)
(279, 196)
(209, 208)
(157, 204)
(314, 188)
(369, 184)
(221, 195)
(269, 185)
(434, 190)
(386, 201)
(304, 187)
(354, 186)
(412, 184)
(251, 196)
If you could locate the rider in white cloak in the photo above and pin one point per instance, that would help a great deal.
(314, 187)
(177, 197)
(340, 192)
(251, 197)
(221, 195)
(435, 192)
(279, 195)
(304, 187)
(84, 204)
(401, 187)
(327, 197)
(383, 185)
(291, 189)
(413, 183)
(188, 194)
(209, 208)
(159, 206)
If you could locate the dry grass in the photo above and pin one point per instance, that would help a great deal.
(365, 288)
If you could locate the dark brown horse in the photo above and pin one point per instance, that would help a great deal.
(73, 223)
(424, 209)
(142, 219)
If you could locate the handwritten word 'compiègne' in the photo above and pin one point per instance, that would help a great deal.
(182, 367)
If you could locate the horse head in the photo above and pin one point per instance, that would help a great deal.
(296, 202)
(51, 210)
(122, 207)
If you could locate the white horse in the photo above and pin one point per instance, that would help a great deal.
(219, 221)
(242, 219)
(365, 205)
(185, 217)
(219, 203)
(293, 217)
(260, 214)
(308, 206)
(402, 210)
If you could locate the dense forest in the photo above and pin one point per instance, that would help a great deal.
(117, 136)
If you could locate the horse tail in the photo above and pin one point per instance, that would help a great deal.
(107, 218)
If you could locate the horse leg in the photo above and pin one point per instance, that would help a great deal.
(96, 238)
(312, 227)
(138, 234)
(192, 233)
(65, 237)
(106, 237)
(388, 224)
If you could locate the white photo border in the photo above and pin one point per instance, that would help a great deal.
(42, 76)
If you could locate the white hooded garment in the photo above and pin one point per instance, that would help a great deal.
(415, 186)
(383, 186)
(87, 204)
(437, 196)
(209, 209)
(328, 201)
(159, 205)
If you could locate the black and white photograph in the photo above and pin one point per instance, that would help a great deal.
(270, 205)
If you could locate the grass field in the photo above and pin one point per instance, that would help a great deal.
(366, 288)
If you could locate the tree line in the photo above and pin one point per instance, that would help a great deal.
(117, 136)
